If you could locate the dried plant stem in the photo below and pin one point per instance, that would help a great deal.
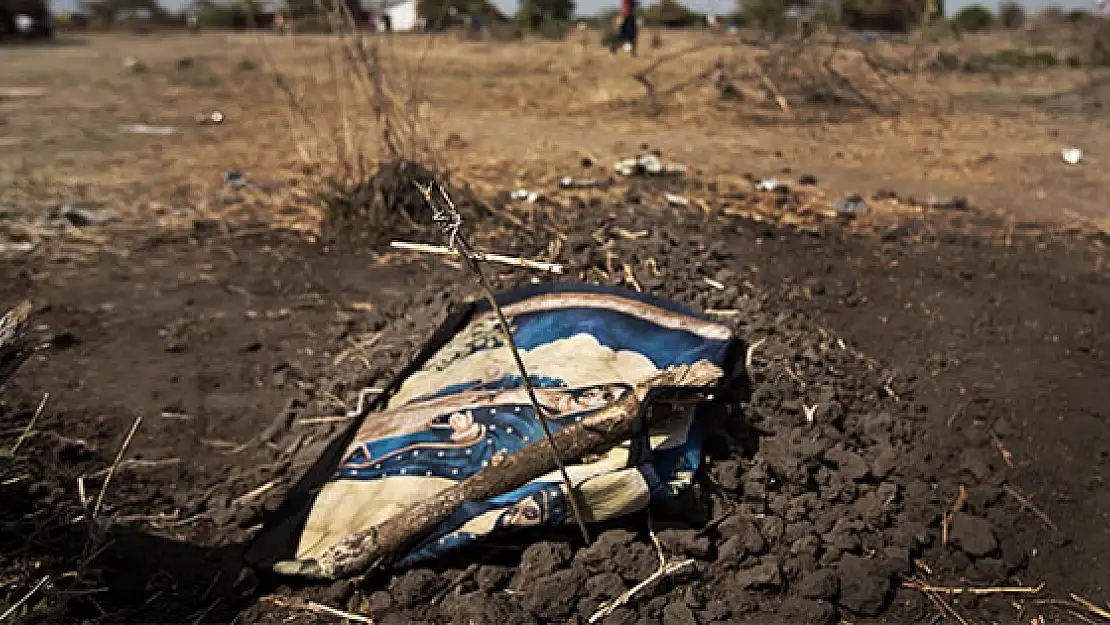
(31, 424)
(457, 241)
(18, 604)
(115, 465)
(960, 590)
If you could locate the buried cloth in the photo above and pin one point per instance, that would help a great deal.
(461, 406)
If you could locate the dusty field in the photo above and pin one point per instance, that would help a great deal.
(943, 349)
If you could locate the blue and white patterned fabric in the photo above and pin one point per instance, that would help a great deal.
(584, 348)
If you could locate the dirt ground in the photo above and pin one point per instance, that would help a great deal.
(939, 350)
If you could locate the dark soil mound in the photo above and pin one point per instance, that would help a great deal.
(886, 373)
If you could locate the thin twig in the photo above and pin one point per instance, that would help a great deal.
(1092, 608)
(445, 213)
(31, 424)
(1028, 505)
(18, 604)
(484, 257)
(664, 570)
(115, 465)
(320, 608)
(961, 590)
(751, 352)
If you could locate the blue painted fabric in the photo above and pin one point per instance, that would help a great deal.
(584, 348)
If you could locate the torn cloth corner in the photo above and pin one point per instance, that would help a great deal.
(465, 407)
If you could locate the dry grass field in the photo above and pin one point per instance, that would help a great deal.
(520, 115)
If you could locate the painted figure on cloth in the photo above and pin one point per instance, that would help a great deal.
(468, 430)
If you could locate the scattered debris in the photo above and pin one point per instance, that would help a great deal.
(22, 92)
(211, 117)
(526, 195)
(584, 183)
(942, 203)
(851, 206)
(133, 64)
(20, 246)
(1072, 156)
(769, 184)
(147, 129)
(455, 141)
(82, 216)
(648, 165)
(677, 200)
(235, 179)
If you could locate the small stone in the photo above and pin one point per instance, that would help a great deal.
(678, 613)
(731, 552)
(415, 586)
(492, 578)
(863, 589)
(605, 586)
(379, 603)
(339, 592)
(973, 535)
(729, 475)
(795, 610)
(807, 180)
(821, 584)
(765, 575)
(542, 559)
(554, 596)
(684, 542)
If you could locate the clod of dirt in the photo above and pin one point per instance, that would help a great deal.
(973, 535)
(864, 589)
(678, 613)
(415, 586)
(822, 584)
(765, 575)
(688, 543)
(543, 558)
(795, 610)
(556, 595)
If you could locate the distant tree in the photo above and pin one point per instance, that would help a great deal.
(973, 18)
(1052, 15)
(558, 10)
(1079, 16)
(671, 14)
(109, 12)
(1011, 15)
(887, 15)
(765, 14)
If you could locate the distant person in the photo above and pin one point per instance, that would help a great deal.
(387, 23)
(627, 31)
(192, 22)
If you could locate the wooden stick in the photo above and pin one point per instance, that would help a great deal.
(480, 256)
(361, 550)
(448, 218)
